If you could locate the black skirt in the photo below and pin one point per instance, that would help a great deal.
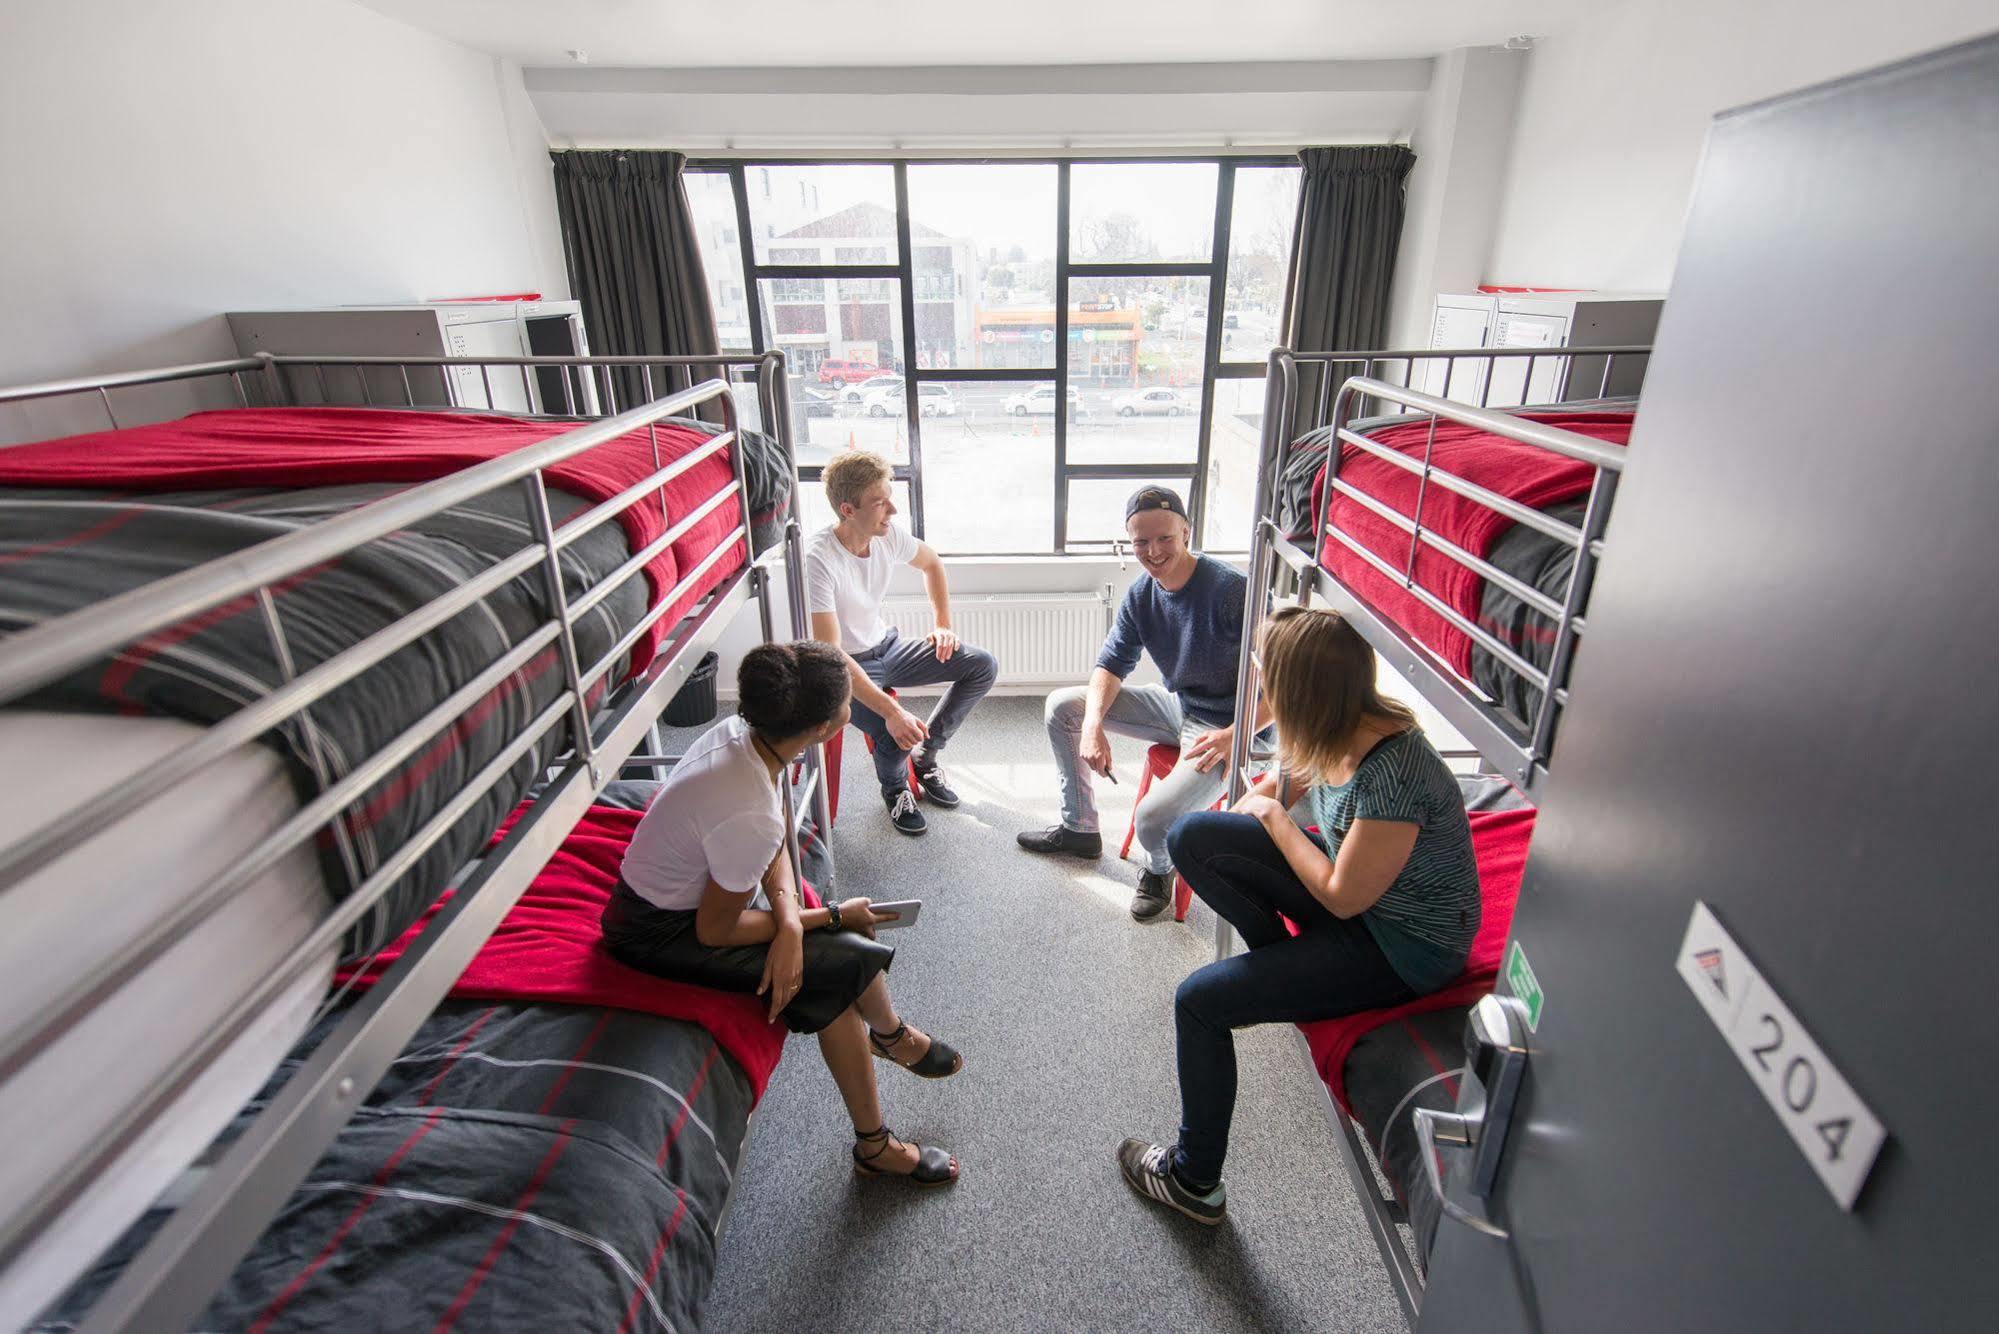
(839, 965)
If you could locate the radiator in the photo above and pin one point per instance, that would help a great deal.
(1040, 639)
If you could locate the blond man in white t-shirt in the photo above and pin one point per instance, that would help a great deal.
(847, 571)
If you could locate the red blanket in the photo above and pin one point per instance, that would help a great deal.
(551, 948)
(1499, 840)
(1535, 477)
(295, 448)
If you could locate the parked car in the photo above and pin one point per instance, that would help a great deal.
(1154, 402)
(836, 371)
(1040, 402)
(933, 400)
(874, 384)
(817, 402)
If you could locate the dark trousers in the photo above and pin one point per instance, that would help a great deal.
(913, 662)
(1332, 967)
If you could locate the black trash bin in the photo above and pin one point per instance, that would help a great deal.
(695, 706)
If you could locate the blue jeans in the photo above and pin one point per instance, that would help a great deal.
(913, 662)
(1332, 967)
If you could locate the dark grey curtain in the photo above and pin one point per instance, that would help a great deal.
(1343, 257)
(635, 262)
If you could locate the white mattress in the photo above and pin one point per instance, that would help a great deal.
(64, 921)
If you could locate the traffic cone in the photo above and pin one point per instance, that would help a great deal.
(850, 439)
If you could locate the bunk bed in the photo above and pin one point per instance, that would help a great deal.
(351, 677)
(1460, 540)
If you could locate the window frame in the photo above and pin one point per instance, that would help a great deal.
(1213, 367)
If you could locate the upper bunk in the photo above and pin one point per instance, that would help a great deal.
(305, 696)
(1459, 538)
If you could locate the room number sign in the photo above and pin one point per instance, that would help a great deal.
(1827, 1120)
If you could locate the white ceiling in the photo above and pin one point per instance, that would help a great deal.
(684, 33)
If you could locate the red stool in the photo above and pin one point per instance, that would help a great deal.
(833, 751)
(1159, 762)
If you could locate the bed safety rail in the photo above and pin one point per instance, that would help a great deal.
(170, 1281)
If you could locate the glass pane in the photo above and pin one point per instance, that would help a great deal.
(1260, 226)
(822, 215)
(983, 239)
(988, 469)
(1096, 506)
(712, 200)
(815, 513)
(842, 339)
(1233, 445)
(1141, 212)
(1135, 347)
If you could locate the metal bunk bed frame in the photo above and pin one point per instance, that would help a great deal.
(169, 1282)
(1522, 756)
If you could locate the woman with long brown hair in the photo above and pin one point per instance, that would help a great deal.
(1385, 899)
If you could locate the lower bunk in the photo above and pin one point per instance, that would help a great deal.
(553, 1149)
(1380, 1066)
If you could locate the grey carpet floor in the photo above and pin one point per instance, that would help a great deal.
(1063, 1008)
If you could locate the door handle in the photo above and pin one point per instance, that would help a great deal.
(1495, 1065)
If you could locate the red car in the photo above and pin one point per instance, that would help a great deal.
(847, 372)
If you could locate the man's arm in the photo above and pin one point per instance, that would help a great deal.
(1212, 746)
(906, 728)
(1095, 747)
(927, 563)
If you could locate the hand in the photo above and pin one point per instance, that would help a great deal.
(859, 915)
(906, 729)
(784, 968)
(1260, 808)
(1095, 750)
(945, 641)
(1210, 748)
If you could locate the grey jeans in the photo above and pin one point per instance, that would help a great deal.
(1151, 714)
(913, 662)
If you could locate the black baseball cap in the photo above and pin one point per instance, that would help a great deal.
(1154, 498)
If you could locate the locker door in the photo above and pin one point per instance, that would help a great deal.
(1783, 709)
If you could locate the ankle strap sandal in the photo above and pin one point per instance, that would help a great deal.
(939, 1061)
(934, 1167)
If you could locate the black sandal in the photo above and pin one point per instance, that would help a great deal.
(934, 1167)
(939, 1061)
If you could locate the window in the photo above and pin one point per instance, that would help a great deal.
(1260, 222)
(988, 465)
(823, 214)
(1045, 389)
(712, 200)
(1149, 212)
(1235, 438)
(984, 238)
(1096, 506)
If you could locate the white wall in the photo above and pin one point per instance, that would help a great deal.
(1454, 189)
(1616, 106)
(997, 109)
(165, 163)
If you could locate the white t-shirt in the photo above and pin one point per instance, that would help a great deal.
(717, 817)
(852, 587)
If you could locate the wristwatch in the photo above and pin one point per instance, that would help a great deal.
(832, 915)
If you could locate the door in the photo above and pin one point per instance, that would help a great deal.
(1783, 708)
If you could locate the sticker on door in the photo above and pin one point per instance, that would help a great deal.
(1837, 1133)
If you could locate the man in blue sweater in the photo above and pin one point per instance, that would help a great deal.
(1186, 611)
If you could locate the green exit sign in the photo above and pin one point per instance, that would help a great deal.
(1520, 980)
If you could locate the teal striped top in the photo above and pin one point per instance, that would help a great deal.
(1427, 920)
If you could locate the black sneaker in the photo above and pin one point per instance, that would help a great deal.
(935, 790)
(902, 812)
(1146, 1170)
(1061, 838)
(1154, 897)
